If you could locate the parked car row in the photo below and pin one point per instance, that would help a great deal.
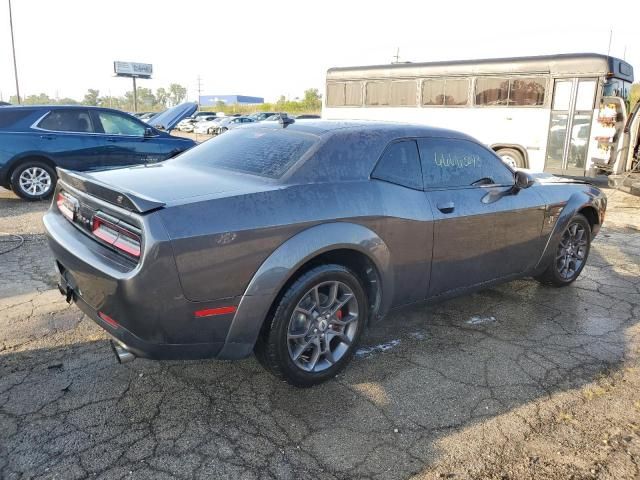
(210, 123)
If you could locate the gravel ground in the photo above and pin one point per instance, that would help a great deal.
(518, 381)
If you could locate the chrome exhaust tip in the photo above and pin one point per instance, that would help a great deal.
(123, 355)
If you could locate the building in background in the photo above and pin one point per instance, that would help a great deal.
(212, 100)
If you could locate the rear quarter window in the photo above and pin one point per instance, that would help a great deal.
(264, 152)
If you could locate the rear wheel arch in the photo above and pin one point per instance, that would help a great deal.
(363, 267)
(349, 243)
(33, 157)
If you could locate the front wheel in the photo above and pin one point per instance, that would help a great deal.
(33, 180)
(315, 327)
(571, 254)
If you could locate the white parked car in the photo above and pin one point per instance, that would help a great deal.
(207, 127)
(229, 123)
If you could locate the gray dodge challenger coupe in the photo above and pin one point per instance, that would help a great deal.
(288, 239)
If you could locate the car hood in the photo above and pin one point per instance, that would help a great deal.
(168, 119)
(548, 178)
(172, 182)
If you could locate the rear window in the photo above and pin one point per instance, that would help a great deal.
(258, 151)
(10, 117)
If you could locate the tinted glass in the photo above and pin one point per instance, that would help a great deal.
(492, 91)
(335, 94)
(526, 91)
(114, 124)
(9, 117)
(460, 163)
(403, 93)
(377, 93)
(258, 151)
(400, 164)
(67, 121)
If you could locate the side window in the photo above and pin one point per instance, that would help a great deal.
(449, 162)
(450, 91)
(400, 164)
(115, 124)
(75, 120)
(514, 92)
(377, 93)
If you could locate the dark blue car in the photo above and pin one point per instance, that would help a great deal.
(34, 140)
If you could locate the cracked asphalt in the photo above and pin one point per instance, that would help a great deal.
(517, 381)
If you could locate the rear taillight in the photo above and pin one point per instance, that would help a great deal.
(67, 205)
(122, 236)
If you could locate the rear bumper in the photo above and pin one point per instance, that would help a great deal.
(149, 314)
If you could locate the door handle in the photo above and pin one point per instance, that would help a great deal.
(447, 207)
(48, 137)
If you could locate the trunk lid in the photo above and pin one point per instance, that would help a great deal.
(144, 188)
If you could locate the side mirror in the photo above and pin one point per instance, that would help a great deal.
(148, 132)
(522, 180)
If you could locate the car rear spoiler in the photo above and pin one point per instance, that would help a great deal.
(127, 200)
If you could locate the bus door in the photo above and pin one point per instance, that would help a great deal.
(570, 125)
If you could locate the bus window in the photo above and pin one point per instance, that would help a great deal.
(377, 93)
(492, 91)
(335, 94)
(515, 92)
(526, 91)
(403, 93)
(353, 94)
(456, 91)
(433, 92)
(451, 91)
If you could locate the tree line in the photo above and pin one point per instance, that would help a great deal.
(162, 98)
(148, 100)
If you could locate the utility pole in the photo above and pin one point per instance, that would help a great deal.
(199, 91)
(610, 37)
(397, 56)
(135, 95)
(13, 48)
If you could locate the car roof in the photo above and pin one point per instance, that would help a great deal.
(391, 129)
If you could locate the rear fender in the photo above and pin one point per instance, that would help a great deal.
(285, 261)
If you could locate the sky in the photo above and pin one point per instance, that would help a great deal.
(273, 48)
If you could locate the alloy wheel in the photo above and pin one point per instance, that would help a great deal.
(572, 251)
(323, 326)
(35, 181)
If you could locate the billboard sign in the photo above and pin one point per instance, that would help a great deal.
(132, 69)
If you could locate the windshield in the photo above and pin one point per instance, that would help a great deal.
(257, 151)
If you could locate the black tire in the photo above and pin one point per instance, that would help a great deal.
(552, 275)
(272, 348)
(210, 131)
(41, 190)
(511, 157)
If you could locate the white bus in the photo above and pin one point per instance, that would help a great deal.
(521, 107)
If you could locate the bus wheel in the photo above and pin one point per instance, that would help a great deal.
(511, 157)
